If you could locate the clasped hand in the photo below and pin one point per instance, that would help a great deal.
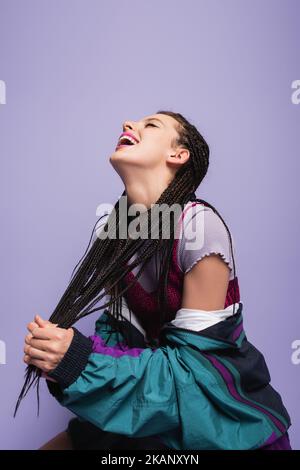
(46, 344)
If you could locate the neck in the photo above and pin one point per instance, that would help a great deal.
(144, 192)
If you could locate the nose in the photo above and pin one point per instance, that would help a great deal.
(128, 125)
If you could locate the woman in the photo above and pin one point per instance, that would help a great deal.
(169, 364)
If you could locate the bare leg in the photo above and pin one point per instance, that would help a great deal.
(60, 442)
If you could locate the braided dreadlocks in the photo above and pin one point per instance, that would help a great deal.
(105, 264)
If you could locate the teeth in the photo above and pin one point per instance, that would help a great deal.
(126, 137)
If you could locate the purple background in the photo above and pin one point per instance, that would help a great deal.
(74, 71)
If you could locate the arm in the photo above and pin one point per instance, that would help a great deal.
(117, 389)
(205, 285)
(182, 391)
(130, 391)
(130, 386)
(205, 259)
(193, 390)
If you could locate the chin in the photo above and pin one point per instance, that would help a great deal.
(114, 157)
(117, 162)
(117, 154)
(121, 157)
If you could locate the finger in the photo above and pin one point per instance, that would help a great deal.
(26, 358)
(28, 338)
(41, 344)
(35, 353)
(41, 322)
(34, 324)
(43, 365)
(31, 326)
(46, 333)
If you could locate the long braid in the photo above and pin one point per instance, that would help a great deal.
(102, 270)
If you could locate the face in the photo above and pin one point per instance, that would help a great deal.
(153, 151)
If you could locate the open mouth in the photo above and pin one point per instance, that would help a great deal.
(125, 141)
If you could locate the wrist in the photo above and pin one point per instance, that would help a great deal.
(74, 359)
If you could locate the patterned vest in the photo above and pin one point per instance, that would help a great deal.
(145, 305)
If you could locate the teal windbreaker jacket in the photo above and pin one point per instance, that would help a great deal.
(198, 390)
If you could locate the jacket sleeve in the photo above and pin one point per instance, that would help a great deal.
(124, 390)
(198, 390)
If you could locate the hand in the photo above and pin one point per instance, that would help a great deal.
(46, 344)
(35, 324)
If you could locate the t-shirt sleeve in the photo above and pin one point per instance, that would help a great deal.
(203, 233)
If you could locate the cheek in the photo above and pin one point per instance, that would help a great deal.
(152, 153)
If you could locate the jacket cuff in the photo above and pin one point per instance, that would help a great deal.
(74, 361)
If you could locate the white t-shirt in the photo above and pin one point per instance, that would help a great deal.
(200, 232)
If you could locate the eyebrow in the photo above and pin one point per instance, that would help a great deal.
(153, 119)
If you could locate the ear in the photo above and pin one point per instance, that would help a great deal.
(179, 157)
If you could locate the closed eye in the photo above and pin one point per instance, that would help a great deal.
(150, 124)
